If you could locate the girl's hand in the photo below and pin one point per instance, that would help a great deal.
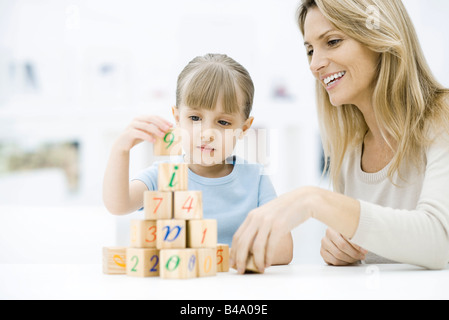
(336, 250)
(265, 226)
(143, 128)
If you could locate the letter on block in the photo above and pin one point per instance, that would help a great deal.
(114, 260)
(171, 234)
(142, 262)
(169, 145)
(188, 205)
(207, 262)
(202, 234)
(178, 264)
(143, 234)
(222, 258)
(173, 177)
(158, 205)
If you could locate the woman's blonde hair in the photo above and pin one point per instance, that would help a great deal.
(206, 79)
(407, 101)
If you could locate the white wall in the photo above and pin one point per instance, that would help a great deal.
(141, 46)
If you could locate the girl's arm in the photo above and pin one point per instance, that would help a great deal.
(119, 195)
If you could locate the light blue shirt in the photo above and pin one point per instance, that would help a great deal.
(228, 199)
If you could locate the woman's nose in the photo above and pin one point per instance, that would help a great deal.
(318, 62)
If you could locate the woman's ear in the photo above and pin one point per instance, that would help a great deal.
(246, 126)
(175, 111)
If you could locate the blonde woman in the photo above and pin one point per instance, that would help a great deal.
(384, 123)
(214, 99)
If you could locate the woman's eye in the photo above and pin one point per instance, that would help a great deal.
(224, 123)
(195, 118)
(332, 43)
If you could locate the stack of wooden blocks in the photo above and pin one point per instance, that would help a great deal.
(173, 241)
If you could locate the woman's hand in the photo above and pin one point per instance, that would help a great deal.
(265, 226)
(143, 128)
(336, 250)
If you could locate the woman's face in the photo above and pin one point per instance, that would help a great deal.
(344, 67)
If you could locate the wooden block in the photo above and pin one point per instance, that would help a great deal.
(251, 265)
(158, 205)
(114, 260)
(188, 205)
(179, 264)
(169, 145)
(143, 234)
(141, 262)
(173, 177)
(207, 262)
(222, 258)
(202, 233)
(171, 234)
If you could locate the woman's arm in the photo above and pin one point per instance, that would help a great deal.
(266, 226)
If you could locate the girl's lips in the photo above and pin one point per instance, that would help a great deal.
(206, 149)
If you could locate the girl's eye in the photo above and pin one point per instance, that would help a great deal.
(195, 118)
(224, 123)
(309, 53)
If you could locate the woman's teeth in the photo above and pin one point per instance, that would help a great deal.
(333, 78)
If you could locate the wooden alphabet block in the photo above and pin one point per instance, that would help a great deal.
(114, 260)
(158, 205)
(142, 262)
(202, 233)
(171, 234)
(169, 145)
(178, 263)
(207, 262)
(188, 205)
(143, 234)
(251, 265)
(173, 177)
(222, 258)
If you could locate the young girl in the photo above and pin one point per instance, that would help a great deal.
(214, 99)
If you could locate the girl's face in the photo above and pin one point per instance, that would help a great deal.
(343, 66)
(209, 136)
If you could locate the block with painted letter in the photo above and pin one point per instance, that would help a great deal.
(169, 145)
(222, 258)
(143, 234)
(142, 262)
(188, 205)
(207, 262)
(178, 263)
(202, 233)
(114, 260)
(173, 177)
(158, 205)
(171, 234)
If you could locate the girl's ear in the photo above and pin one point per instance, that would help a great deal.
(246, 126)
(175, 111)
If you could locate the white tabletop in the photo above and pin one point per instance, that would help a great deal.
(39, 281)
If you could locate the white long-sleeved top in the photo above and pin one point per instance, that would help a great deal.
(407, 222)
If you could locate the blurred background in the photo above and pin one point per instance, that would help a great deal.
(73, 74)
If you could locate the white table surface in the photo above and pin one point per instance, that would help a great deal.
(40, 281)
